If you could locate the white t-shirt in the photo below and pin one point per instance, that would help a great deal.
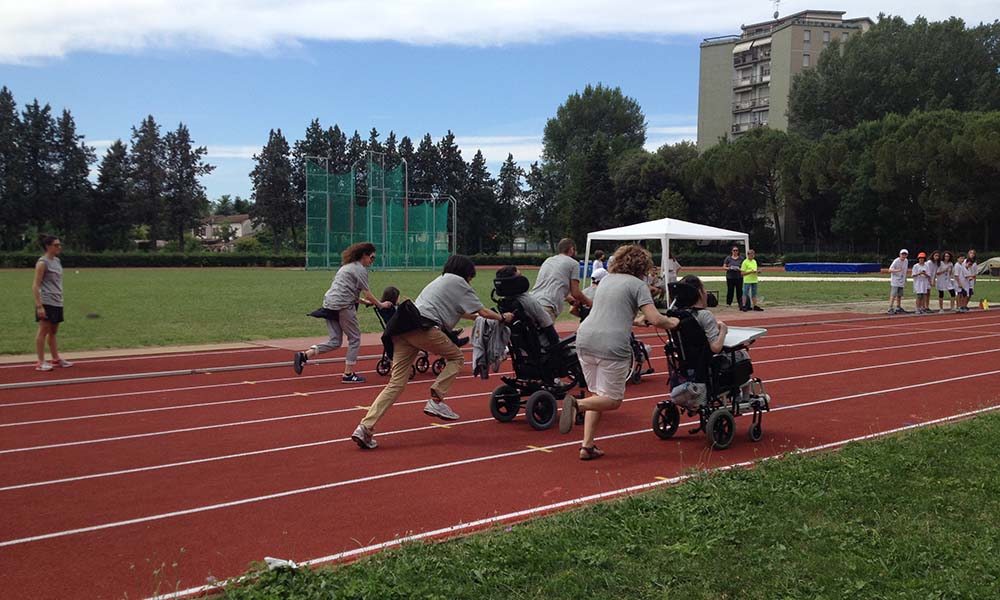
(898, 279)
(931, 271)
(961, 277)
(921, 280)
(672, 267)
(554, 280)
(943, 275)
(972, 268)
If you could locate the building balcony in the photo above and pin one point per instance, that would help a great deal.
(738, 128)
(752, 103)
(745, 81)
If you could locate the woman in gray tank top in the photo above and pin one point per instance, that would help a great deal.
(48, 293)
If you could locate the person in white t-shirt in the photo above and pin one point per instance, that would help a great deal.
(921, 283)
(672, 268)
(897, 281)
(973, 267)
(962, 284)
(944, 282)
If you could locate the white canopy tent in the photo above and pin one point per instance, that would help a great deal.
(665, 230)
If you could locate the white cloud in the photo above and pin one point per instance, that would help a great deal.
(37, 30)
(525, 148)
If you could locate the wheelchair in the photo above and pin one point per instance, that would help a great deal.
(545, 369)
(641, 364)
(718, 388)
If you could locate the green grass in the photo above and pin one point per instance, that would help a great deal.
(162, 307)
(912, 516)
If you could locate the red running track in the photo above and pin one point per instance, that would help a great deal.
(157, 485)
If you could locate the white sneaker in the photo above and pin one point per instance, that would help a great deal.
(364, 438)
(62, 362)
(440, 410)
(43, 367)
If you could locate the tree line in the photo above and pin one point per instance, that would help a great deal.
(45, 185)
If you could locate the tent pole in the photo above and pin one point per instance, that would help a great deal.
(586, 258)
(665, 247)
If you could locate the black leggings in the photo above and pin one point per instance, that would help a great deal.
(734, 284)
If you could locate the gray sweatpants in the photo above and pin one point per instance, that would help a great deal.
(347, 324)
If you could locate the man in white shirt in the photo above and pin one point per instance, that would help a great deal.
(897, 281)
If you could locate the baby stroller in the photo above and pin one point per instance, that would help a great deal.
(640, 354)
(423, 362)
(545, 367)
(718, 388)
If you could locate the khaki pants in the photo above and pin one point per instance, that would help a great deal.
(551, 312)
(405, 349)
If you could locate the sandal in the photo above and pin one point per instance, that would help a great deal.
(591, 453)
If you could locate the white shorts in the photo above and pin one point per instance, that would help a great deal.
(605, 376)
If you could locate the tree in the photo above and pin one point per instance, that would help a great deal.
(424, 168)
(223, 207)
(72, 189)
(477, 228)
(589, 189)
(184, 196)
(273, 193)
(336, 142)
(406, 154)
(541, 214)
(315, 144)
(108, 219)
(391, 151)
(148, 177)
(508, 201)
(37, 141)
(14, 216)
(373, 144)
(241, 206)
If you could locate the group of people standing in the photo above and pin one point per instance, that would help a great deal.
(741, 280)
(955, 277)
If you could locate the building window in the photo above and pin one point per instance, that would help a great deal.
(843, 37)
(806, 39)
(805, 60)
(826, 37)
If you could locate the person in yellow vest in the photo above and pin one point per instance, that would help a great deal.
(750, 272)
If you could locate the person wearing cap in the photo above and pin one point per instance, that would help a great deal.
(897, 281)
(922, 283)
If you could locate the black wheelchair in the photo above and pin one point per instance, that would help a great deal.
(546, 368)
(716, 387)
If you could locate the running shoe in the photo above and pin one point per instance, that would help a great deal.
(62, 362)
(299, 361)
(364, 438)
(352, 378)
(440, 410)
(43, 366)
(568, 416)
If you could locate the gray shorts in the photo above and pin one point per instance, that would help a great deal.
(896, 292)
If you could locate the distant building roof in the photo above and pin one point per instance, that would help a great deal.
(220, 219)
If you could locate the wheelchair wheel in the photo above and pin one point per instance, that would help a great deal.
(635, 376)
(383, 366)
(422, 364)
(505, 401)
(756, 432)
(541, 410)
(666, 418)
(438, 366)
(413, 371)
(721, 428)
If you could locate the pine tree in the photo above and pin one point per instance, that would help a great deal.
(391, 151)
(508, 201)
(273, 193)
(72, 189)
(452, 170)
(357, 152)
(476, 209)
(336, 141)
(406, 155)
(108, 223)
(541, 207)
(424, 168)
(241, 206)
(315, 144)
(148, 176)
(14, 217)
(373, 144)
(184, 196)
(37, 141)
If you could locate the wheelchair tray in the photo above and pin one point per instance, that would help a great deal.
(737, 337)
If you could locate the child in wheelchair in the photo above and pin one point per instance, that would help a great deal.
(545, 367)
(707, 378)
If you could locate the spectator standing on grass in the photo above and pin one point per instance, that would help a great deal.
(559, 278)
(922, 283)
(341, 305)
(750, 272)
(603, 342)
(944, 281)
(972, 267)
(897, 281)
(439, 307)
(734, 278)
(673, 267)
(48, 292)
(962, 283)
(598, 262)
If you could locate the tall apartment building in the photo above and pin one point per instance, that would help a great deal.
(745, 79)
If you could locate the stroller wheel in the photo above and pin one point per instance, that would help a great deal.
(721, 427)
(666, 418)
(422, 364)
(756, 432)
(636, 375)
(383, 366)
(505, 401)
(541, 410)
(413, 371)
(437, 367)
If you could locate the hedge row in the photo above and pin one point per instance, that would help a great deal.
(19, 260)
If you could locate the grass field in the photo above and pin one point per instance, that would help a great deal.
(162, 307)
(913, 516)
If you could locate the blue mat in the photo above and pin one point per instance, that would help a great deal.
(818, 267)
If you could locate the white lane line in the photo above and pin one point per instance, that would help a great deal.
(579, 501)
(868, 337)
(882, 366)
(425, 468)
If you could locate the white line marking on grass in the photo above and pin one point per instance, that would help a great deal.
(580, 501)
(439, 466)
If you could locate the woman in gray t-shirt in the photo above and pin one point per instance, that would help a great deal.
(349, 284)
(603, 341)
(734, 277)
(48, 292)
(443, 302)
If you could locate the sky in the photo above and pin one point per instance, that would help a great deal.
(492, 72)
